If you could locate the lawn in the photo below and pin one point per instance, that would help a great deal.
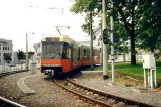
(135, 71)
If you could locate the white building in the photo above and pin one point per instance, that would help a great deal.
(6, 47)
(37, 49)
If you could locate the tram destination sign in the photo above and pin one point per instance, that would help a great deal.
(52, 38)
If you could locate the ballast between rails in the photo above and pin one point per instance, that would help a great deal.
(93, 100)
(11, 102)
(128, 101)
(100, 93)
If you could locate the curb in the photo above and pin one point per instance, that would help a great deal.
(23, 87)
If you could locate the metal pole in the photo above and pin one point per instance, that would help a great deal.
(155, 76)
(105, 48)
(148, 77)
(124, 56)
(151, 78)
(91, 37)
(101, 48)
(112, 51)
(27, 52)
(145, 78)
(30, 51)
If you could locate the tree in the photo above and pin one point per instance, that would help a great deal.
(128, 15)
(20, 55)
(7, 57)
(149, 25)
(123, 10)
(84, 7)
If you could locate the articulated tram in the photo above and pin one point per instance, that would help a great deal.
(61, 54)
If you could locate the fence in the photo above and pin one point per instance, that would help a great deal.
(5, 67)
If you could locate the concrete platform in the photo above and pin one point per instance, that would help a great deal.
(85, 73)
(23, 87)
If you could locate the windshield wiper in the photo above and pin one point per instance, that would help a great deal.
(57, 53)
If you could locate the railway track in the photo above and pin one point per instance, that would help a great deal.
(97, 97)
(11, 72)
(5, 102)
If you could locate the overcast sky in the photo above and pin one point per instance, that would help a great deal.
(18, 18)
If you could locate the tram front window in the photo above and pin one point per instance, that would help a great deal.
(54, 50)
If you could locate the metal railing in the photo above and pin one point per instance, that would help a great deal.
(6, 67)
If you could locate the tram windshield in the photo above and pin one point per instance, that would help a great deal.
(54, 50)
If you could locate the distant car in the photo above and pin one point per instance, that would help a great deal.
(12, 65)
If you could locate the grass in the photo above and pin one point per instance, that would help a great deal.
(135, 71)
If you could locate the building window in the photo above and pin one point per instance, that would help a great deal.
(3, 48)
(8, 48)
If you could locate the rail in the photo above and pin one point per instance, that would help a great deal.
(104, 99)
(7, 103)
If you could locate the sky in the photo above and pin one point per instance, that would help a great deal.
(21, 17)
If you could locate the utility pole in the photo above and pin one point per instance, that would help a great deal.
(27, 61)
(105, 53)
(91, 42)
(101, 47)
(112, 51)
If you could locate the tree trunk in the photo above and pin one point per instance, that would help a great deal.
(152, 50)
(133, 54)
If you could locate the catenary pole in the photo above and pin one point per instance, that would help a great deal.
(105, 53)
(27, 61)
(91, 43)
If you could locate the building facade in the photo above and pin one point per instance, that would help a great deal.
(6, 47)
(37, 50)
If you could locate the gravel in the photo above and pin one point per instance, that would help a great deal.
(8, 86)
(47, 93)
(137, 93)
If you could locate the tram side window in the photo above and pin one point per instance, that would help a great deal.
(79, 53)
(65, 51)
(95, 52)
(88, 55)
(84, 52)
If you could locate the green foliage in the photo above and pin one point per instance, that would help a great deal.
(7, 57)
(20, 55)
(84, 7)
(81, 6)
(135, 71)
(149, 25)
(139, 21)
